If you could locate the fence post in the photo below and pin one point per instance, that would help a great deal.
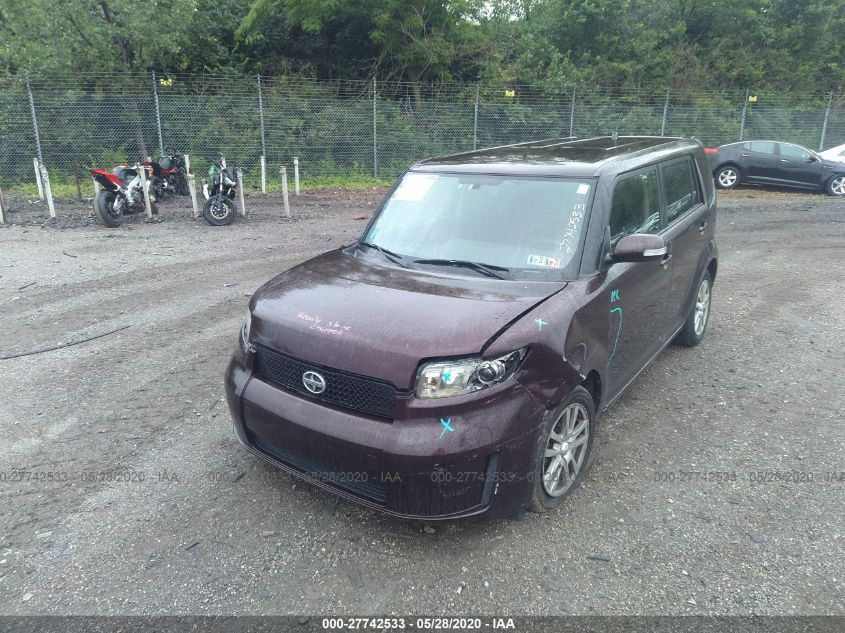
(48, 191)
(4, 218)
(375, 134)
(143, 171)
(665, 112)
(283, 173)
(192, 187)
(742, 121)
(34, 121)
(239, 175)
(263, 141)
(296, 175)
(826, 117)
(158, 115)
(187, 163)
(37, 167)
(572, 113)
(475, 122)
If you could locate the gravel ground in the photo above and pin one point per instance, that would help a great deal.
(195, 525)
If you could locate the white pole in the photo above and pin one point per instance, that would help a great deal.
(223, 161)
(3, 217)
(48, 191)
(192, 187)
(296, 175)
(187, 163)
(146, 190)
(205, 193)
(284, 173)
(240, 176)
(38, 178)
(263, 174)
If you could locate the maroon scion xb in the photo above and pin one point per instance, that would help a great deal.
(455, 359)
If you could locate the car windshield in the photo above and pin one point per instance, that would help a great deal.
(517, 227)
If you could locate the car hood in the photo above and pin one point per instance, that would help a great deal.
(361, 316)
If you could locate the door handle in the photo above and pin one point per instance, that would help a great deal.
(745, 155)
(783, 160)
(702, 226)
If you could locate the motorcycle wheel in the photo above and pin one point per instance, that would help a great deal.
(219, 211)
(104, 206)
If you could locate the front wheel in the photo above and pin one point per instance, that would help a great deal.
(699, 315)
(564, 452)
(727, 177)
(836, 185)
(219, 210)
(104, 206)
(157, 189)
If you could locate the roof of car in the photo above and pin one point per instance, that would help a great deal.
(584, 158)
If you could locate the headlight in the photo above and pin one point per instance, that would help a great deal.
(246, 330)
(452, 378)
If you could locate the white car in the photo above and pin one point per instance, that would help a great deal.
(834, 153)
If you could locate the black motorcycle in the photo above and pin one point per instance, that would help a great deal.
(173, 175)
(220, 208)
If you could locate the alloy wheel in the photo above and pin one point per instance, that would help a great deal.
(566, 449)
(728, 177)
(702, 307)
(837, 186)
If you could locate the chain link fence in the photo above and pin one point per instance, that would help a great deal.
(354, 129)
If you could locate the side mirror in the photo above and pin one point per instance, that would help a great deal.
(639, 247)
(812, 159)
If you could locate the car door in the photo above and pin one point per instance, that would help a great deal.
(636, 292)
(798, 166)
(760, 161)
(686, 221)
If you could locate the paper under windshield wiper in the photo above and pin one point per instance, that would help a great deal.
(486, 269)
(394, 257)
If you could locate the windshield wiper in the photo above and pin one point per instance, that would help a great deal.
(394, 257)
(486, 269)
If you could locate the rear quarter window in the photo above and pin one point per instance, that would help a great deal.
(680, 187)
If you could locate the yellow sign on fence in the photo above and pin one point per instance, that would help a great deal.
(510, 93)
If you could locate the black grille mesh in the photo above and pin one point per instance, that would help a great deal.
(350, 391)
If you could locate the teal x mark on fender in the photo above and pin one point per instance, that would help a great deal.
(446, 426)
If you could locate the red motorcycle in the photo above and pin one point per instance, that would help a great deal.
(122, 192)
(170, 175)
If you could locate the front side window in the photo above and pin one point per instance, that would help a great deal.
(761, 147)
(793, 151)
(680, 188)
(636, 206)
(530, 226)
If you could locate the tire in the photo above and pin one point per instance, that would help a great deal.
(578, 409)
(219, 211)
(182, 185)
(836, 186)
(695, 326)
(727, 177)
(104, 206)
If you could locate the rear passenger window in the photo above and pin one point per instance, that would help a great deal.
(636, 206)
(680, 188)
(761, 147)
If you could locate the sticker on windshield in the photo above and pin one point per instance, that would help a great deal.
(545, 262)
(414, 187)
(583, 189)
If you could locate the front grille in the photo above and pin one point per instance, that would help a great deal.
(351, 391)
(354, 482)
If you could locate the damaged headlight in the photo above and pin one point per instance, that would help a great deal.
(453, 378)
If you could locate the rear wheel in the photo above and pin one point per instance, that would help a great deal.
(727, 177)
(219, 211)
(836, 185)
(696, 323)
(157, 189)
(104, 206)
(564, 453)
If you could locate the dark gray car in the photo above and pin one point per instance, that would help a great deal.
(775, 163)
